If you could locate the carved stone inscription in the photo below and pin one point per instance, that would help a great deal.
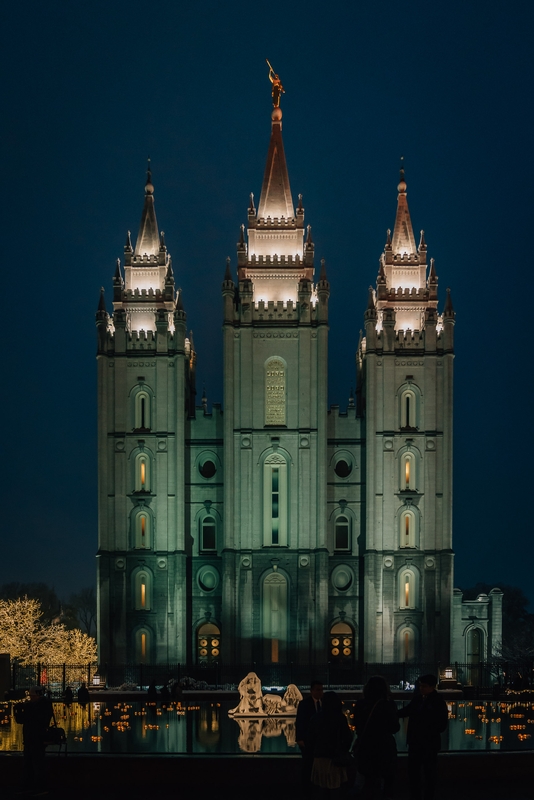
(275, 392)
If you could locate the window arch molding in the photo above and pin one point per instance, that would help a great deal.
(343, 463)
(142, 528)
(275, 391)
(143, 641)
(408, 587)
(275, 477)
(408, 526)
(208, 466)
(142, 468)
(142, 587)
(207, 530)
(407, 642)
(142, 407)
(410, 470)
(475, 650)
(409, 405)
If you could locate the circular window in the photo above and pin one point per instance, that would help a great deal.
(203, 652)
(215, 652)
(343, 468)
(208, 579)
(335, 651)
(342, 578)
(335, 642)
(346, 651)
(207, 469)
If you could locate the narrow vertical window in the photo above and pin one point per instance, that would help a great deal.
(143, 412)
(143, 474)
(406, 646)
(275, 500)
(407, 531)
(407, 472)
(143, 593)
(207, 535)
(142, 530)
(342, 533)
(143, 646)
(407, 591)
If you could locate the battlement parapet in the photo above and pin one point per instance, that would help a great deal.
(277, 223)
(274, 260)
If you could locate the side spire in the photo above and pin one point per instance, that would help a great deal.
(403, 242)
(275, 199)
(148, 237)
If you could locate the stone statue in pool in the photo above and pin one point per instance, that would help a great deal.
(253, 703)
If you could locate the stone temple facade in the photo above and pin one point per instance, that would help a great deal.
(275, 529)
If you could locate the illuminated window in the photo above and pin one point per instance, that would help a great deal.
(275, 505)
(341, 643)
(408, 528)
(408, 472)
(408, 588)
(275, 392)
(342, 533)
(143, 590)
(208, 644)
(406, 644)
(142, 473)
(143, 646)
(142, 530)
(274, 617)
(142, 411)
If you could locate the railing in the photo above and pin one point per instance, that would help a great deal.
(227, 676)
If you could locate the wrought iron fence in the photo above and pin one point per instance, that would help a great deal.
(57, 677)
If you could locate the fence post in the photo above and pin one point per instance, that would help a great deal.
(38, 674)
(88, 675)
(64, 677)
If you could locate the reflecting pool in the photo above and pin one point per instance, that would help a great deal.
(205, 728)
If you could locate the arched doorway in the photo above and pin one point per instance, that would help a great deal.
(341, 650)
(208, 644)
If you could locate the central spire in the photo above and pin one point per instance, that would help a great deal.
(148, 238)
(275, 199)
(403, 239)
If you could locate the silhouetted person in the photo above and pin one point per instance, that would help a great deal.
(376, 720)
(306, 710)
(83, 695)
(68, 697)
(329, 738)
(152, 694)
(34, 716)
(427, 719)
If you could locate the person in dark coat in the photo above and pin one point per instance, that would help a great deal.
(83, 695)
(427, 719)
(329, 738)
(306, 710)
(376, 722)
(34, 716)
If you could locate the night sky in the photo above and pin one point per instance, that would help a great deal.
(91, 89)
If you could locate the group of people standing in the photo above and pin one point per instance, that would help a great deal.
(335, 760)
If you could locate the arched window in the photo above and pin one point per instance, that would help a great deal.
(142, 580)
(274, 617)
(275, 500)
(341, 643)
(409, 407)
(474, 643)
(143, 643)
(408, 475)
(408, 588)
(275, 392)
(142, 411)
(408, 533)
(142, 472)
(342, 538)
(406, 644)
(208, 530)
(208, 644)
(142, 524)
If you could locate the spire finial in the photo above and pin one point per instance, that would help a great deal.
(102, 300)
(149, 188)
(228, 272)
(309, 239)
(371, 300)
(448, 310)
(128, 243)
(402, 182)
(322, 276)
(299, 207)
(277, 90)
(251, 208)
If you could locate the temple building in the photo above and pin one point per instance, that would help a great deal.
(275, 529)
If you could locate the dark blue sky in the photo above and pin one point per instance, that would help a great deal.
(91, 89)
